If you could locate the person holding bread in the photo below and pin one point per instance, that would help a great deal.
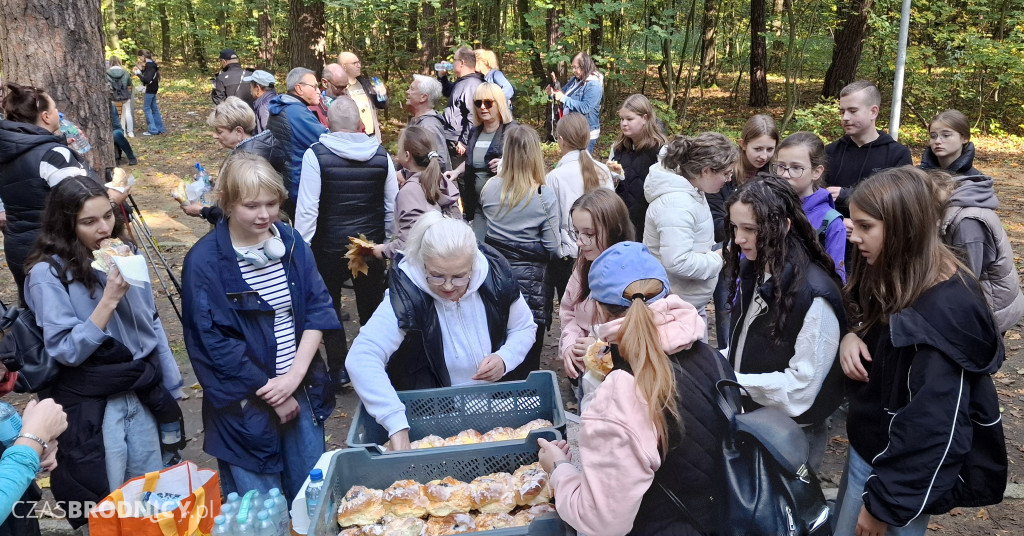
(453, 315)
(650, 431)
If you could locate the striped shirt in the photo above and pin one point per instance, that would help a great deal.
(271, 282)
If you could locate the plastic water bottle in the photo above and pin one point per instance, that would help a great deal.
(204, 184)
(280, 509)
(244, 529)
(221, 527)
(278, 516)
(379, 89)
(76, 138)
(316, 485)
(444, 66)
(10, 424)
(264, 525)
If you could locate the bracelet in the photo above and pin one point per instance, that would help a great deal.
(33, 437)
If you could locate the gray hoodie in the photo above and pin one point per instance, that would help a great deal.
(353, 146)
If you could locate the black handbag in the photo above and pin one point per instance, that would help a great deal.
(22, 350)
(769, 487)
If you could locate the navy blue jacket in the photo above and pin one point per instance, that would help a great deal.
(228, 334)
(295, 129)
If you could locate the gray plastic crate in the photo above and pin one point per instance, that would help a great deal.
(450, 410)
(357, 466)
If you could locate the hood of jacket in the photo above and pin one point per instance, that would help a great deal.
(116, 72)
(449, 191)
(419, 276)
(16, 138)
(679, 325)
(953, 317)
(282, 100)
(351, 145)
(963, 165)
(974, 191)
(817, 204)
(661, 181)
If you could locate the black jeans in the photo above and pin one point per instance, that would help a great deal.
(723, 311)
(369, 291)
(560, 270)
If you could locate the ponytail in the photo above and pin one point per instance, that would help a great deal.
(591, 173)
(640, 346)
(430, 179)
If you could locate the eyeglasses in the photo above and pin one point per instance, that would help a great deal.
(587, 239)
(794, 171)
(486, 103)
(314, 86)
(359, 63)
(455, 281)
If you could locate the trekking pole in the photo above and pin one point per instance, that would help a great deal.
(153, 242)
(136, 228)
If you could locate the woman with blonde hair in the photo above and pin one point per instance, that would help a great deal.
(634, 152)
(651, 435)
(491, 118)
(575, 174)
(487, 65)
(522, 224)
(254, 312)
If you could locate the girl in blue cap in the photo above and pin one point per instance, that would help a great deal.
(788, 314)
(651, 411)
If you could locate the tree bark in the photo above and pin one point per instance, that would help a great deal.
(758, 55)
(449, 24)
(428, 35)
(110, 24)
(849, 44)
(198, 48)
(165, 33)
(708, 52)
(265, 31)
(57, 45)
(306, 34)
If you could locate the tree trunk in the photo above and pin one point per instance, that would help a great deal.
(758, 55)
(306, 34)
(849, 43)
(428, 35)
(265, 32)
(708, 53)
(411, 39)
(110, 24)
(449, 24)
(51, 43)
(198, 48)
(165, 33)
(596, 32)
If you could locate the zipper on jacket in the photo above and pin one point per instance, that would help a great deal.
(312, 412)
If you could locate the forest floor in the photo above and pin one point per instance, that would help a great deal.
(164, 159)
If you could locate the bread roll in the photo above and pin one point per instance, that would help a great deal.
(598, 359)
(494, 521)
(493, 494)
(431, 441)
(409, 526)
(535, 424)
(530, 483)
(501, 433)
(405, 498)
(360, 506)
(465, 437)
(447, 496)
(450, 524)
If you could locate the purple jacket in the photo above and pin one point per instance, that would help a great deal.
(816, 206)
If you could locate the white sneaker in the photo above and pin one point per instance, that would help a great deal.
(131, 134)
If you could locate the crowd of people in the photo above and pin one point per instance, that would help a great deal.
(836, 273)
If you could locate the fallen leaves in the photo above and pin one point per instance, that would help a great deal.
(358, 250)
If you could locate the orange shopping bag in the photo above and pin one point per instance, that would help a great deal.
(189, 497)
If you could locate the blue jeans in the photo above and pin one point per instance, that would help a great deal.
(302, 443)
(131, 441)
(849, 502)
(154, 121)
(121, 145)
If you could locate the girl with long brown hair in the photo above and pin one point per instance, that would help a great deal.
(650, 432)
(425, 187)
(522, 224)
(924, 422)
(634, 152)
(575, 174)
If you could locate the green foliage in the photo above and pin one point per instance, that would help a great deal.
(821, 118)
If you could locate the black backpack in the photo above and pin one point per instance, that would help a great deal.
(830, 216)
(118, 91)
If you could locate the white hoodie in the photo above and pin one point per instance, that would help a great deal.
(679, 231)
(463, 334)
(354, 146)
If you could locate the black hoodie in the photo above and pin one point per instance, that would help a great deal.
(848, 164)
(928, 419)
(963, 165)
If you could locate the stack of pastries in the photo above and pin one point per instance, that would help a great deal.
(447, 506)
(470, 437)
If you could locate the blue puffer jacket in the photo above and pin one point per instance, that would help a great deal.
(228, 334)
(295, 129)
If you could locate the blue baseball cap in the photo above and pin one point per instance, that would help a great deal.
(619, 267)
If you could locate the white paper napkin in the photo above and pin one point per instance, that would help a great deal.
(133, 269)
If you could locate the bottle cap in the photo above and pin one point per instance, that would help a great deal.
(316, 474)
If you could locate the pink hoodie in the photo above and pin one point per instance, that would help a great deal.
(618, 442)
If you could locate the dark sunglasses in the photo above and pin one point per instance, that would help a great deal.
(484, 103)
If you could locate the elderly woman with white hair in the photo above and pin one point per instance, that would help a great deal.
(453, 315)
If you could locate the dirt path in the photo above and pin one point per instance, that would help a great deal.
(163, 159)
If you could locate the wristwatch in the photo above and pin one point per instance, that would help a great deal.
(33, 437)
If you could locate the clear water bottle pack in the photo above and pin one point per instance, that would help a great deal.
(253, 514)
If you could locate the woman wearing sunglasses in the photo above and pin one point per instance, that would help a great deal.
(452, 315)
(491, 118)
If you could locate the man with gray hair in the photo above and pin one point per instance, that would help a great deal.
(348, 188)
(420, 99)
(295, 127)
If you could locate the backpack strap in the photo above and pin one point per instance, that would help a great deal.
(830, 217)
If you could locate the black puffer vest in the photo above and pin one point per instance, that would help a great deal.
(419, 362)
(529, 261)
(470, 197)
(351, 199)
(762, 355)
(692, 469)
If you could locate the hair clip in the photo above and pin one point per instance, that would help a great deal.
(433, 154)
